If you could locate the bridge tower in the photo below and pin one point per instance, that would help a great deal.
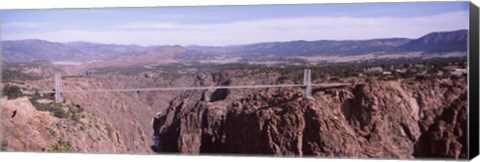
(307, 83)
(58, 88)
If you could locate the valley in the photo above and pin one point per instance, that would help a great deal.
(401, 101)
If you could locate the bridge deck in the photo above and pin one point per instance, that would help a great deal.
(323, 85)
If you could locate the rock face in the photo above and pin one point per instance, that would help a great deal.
(448, 135)
(23, 128)
(128, 119)
(128, 116)
(381, 119)
(403, 118)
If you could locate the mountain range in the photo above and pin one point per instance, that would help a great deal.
(34, 49)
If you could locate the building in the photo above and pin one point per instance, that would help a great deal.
(459, 72)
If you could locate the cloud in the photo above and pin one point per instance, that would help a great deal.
(170, 26)
(25, 25)
(243, 32)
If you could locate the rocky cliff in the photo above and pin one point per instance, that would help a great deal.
(380, 119)
(404, 118)
(126, 114)
(23, 128)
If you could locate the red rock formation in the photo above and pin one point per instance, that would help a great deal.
(33, 130)
(382, 119)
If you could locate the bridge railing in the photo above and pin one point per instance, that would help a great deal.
(306, 84)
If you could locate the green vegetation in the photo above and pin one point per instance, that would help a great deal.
(369, 80)
(74, 112)
(75, 109)
(75, 117)
(52, 132)
(61, 146)
(121, 70)
(4, 145)
(422, 68)
(36, 95)
(9, 74)
(59, 113)
(55, 108)
(16, 71)
(12, 91)
(386, 69)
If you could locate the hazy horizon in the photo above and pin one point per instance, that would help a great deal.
(201, 45)
(234, 25)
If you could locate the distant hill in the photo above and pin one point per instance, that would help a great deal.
(108, 51)
(439, 42)
(162, 54)
(156, 56)
(29, 70)
(34, 49)
(432, 42)
(452, 41)
(321, 47)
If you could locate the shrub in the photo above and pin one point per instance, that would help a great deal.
(4, 145)
(39, 106)
(56, 105)
(59, 113)
(369, 80)
(76, 117)
(36, 95)
(52, 132)
(57, 109)
(75, 109)
(12, 92)
(61, 146)
(80, 109)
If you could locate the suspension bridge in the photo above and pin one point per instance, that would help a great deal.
(306, 84)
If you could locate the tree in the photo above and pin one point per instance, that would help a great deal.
(61, 146)
(12, 92)
(36, 95)
(4, 145)
(369, 80)
(421, 69)
(59, 113)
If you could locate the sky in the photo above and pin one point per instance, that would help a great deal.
(233, 25)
